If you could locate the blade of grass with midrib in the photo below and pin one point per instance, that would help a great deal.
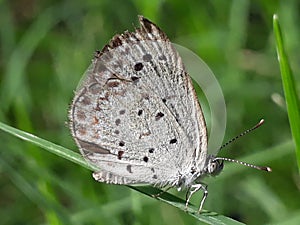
(205, 216)
(289, 87)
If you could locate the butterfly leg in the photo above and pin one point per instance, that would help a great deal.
(161, 192)
(205, 193)
(192, 190)
(187, 196)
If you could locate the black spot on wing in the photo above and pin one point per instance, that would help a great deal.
(146, 159)
(140, 112)
(151, 150)
(138, 67)
(118, 121)
(159, 115)
(173, 141)
(120, 153)
(128, 168)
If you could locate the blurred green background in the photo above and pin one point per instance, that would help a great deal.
(47, 45)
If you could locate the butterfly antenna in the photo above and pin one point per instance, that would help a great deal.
(242, 134)
(265, 168)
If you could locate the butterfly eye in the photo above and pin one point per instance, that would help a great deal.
(215, 167)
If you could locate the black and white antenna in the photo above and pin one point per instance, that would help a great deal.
(265, 168)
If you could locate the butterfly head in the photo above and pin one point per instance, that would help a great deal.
(214, 165)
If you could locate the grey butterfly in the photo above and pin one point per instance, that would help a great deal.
(136, 117)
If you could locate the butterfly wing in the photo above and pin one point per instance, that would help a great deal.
(135, 115)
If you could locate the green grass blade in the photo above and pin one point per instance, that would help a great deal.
(289, 88)
(205, 216)
(47, 145)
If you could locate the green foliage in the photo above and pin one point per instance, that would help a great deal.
(47, 45)
(289, 87)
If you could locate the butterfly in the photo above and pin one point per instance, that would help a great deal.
(136, 116)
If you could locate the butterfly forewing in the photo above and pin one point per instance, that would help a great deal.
(135, 115)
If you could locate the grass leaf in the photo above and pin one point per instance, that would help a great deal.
(205, 216)
(289, 88)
